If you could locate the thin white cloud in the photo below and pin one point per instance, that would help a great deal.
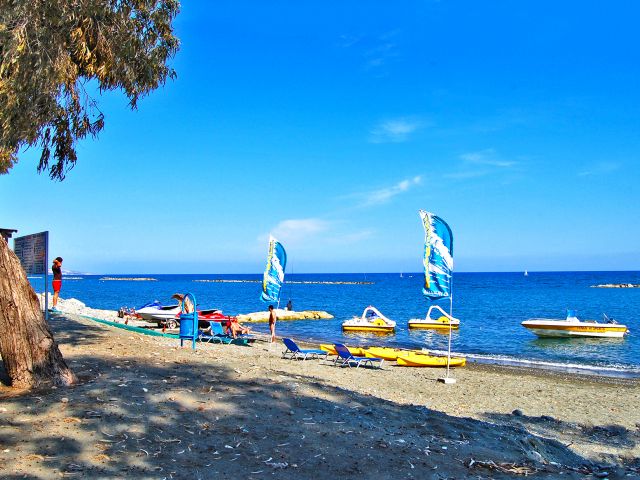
(601, 168)
(384, 195)
(487, 157)
(479, 164)
(379, 56)
(394, 131)
(348, 41)
(298, 229)
(314, 234)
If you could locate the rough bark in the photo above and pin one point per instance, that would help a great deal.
(30, 354)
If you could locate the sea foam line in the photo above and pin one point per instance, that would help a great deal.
(579, 368)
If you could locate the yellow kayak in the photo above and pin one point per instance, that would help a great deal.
(355, 351)
(389, 353)
(421, 360)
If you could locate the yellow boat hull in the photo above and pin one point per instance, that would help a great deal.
(433, 326)
(388, 353)
(328, 347)
(441, 323)
(421, 360)
(372, 328)
(355, 351)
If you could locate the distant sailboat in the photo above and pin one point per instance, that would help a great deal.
(401, 275)
(526, 274)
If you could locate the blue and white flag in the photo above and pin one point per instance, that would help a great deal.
(274, 273)
(438, 256)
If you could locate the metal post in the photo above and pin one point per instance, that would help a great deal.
(450, 331)
(447, 379)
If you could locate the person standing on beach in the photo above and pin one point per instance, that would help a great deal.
(56, 268)
(272, 323)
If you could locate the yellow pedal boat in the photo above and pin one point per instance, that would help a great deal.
(370, 321)
(422, 360)
(443, 322)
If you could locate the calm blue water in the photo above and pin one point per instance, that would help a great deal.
(489, 305)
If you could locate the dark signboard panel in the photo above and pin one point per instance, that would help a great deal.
(32, 252)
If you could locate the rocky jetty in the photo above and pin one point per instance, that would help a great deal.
(285, 315)
(129, 279)
(302, 282)
(616, 285)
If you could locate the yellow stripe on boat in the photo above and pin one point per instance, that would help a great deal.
(421, 360)
(580, 328)
(441, 323)
(368, 328)
(567, 328)
(433, 326)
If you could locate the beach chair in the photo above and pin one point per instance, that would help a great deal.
(345, 358)
(295, 352)
(214, 334)
(217, 335)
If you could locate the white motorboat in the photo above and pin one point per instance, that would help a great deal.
(156, 312)
(443, 322)
(370, 321)
(572, 327)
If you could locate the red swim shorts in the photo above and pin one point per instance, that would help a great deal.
(57, 284)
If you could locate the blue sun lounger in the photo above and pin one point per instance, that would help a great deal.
(345, 358)
(214, 334)
(217, 335)
(296, 352)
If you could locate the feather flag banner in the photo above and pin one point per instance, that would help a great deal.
(274, 272)
(438, 256)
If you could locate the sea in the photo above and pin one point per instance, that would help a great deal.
(490, 307)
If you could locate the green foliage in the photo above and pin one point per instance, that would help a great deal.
(50, 49)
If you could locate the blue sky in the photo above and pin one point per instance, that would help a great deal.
(330, 124)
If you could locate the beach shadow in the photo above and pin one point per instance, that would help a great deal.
(192, 415)
(69, 331)
(608, 435)
(4, 377)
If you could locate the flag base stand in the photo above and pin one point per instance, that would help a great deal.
(447, 380)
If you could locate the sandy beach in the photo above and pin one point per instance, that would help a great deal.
(145, 408)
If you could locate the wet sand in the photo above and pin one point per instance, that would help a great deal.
(145, 408)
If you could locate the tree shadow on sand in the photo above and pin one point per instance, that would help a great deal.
(607, 436)
(197, 416)
(71, 332)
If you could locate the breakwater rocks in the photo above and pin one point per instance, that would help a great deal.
(129, 279)
(306, 282)
(285, 315)
(616, 285)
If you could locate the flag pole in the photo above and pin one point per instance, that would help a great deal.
(447, 379)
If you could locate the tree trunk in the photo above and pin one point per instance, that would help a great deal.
(30, 354)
